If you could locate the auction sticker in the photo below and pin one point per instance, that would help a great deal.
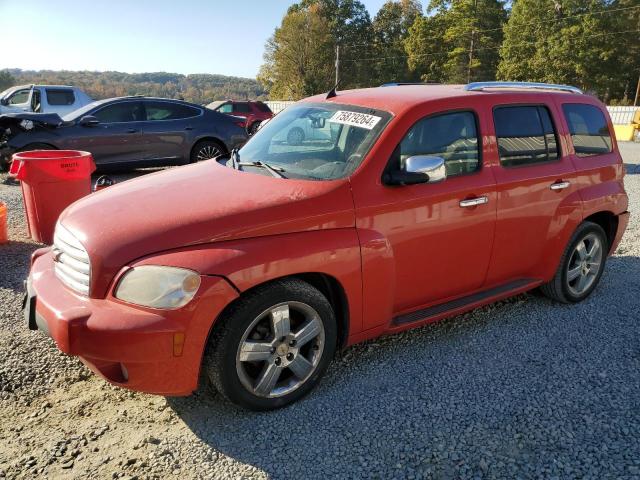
(355, 119)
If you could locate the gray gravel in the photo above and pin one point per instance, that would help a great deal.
(520, 389)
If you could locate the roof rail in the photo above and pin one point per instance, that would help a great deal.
(479, 86)
(398, 84)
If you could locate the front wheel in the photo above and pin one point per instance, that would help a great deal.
(206, 150)
(273, 346)
(581, 265)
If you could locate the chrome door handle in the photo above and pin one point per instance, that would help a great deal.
(559, 185)
(472, 202)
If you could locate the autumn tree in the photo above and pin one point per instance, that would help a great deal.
(458, 41)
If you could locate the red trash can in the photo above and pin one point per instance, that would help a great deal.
(51, 181)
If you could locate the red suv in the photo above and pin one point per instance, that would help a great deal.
(408, 204)
(254, 112)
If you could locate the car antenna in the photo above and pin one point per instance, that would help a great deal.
(332, 93)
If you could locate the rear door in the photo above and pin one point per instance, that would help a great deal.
(537, 192)
(118, 136)
(168, 130)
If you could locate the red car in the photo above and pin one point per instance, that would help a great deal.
(254, 112)
(411, 204)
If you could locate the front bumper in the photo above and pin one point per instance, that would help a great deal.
(143, 349)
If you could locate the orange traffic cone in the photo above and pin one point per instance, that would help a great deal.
(4, 237)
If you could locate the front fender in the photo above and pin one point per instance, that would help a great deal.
(250, 262)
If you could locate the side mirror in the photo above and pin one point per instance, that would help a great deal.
(89, 121)
(418, 169)
(4, 102)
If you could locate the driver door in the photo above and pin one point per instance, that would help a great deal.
(439, 235)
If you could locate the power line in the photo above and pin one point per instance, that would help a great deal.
(461, 52)
(600, 12)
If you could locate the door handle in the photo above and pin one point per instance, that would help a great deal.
(188, 128)
(132, 130)
(472, 202)
(559, 185)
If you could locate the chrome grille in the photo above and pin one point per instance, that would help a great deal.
(71, 261)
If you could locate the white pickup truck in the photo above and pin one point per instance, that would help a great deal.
(58, 99)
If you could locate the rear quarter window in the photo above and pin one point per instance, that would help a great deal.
(589, 129)
(60, 97)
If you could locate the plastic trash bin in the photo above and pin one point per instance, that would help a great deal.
(51, 181)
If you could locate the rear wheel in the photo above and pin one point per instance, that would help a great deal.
(273, 346)
(581, 265)
(206, 150)
(6, 162)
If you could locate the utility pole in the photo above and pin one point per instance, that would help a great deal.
(473, 31)
(337, 64)
(635, 102)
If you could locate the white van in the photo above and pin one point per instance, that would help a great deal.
(58, 99)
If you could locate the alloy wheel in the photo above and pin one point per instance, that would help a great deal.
(280, 349)
(207, 152)
(585, 264)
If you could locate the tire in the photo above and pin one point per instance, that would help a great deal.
(206, 150)
(37, 146)
(295, 136)
(255, 126)
(250, 322)
(576, 267)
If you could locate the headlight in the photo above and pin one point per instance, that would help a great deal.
(158, 287)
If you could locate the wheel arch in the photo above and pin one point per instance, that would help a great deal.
(40, 144)
(609, 223)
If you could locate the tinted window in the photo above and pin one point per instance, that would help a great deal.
(241, 107)
(120, 112)
(588, 128)
(263, 107)
(169, 111)
(452, 136)
(226, 108)
(19, 97)
(60, 97)
(525, 135)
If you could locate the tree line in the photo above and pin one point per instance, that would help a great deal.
(198, 88)
(588, 43)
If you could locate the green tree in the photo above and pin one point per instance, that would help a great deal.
(299, 56)
(390, 30)
(573, 42)
(6, 80)
(458, 41)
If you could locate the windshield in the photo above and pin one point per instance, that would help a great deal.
(320, 141)
(69, 117)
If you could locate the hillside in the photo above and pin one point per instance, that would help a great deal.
(197, 88)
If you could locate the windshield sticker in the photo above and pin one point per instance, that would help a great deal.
(355, 119)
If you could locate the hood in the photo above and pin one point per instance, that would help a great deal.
(197, 204)
(45, 119)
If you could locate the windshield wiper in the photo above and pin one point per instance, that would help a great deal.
(275, 171)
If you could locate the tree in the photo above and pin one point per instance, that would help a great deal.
(458, 41)
(390, 30)
(299, 55)
(6, 80)
(573, 42)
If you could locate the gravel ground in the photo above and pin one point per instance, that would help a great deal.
(520, 389)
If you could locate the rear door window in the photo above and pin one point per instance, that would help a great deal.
(241, 108)
(120, 112)
(452, 136)
(525, 135)
(589, 129)
(169, 111)
(60, 97)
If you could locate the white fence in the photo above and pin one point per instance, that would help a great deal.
(277, 106)
(622, 115)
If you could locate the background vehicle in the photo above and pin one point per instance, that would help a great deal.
(58, 99)
(426, 202)
(254, 112)
(133, 131)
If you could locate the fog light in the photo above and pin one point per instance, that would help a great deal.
(125, 373)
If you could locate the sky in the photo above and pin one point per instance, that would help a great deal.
(178, 36)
